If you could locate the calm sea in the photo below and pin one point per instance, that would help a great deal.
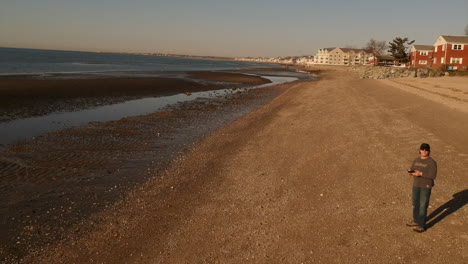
(33, 61)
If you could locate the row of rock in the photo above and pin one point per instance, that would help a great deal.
(378, 72)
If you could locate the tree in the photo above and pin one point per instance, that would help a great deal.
(466, 30)
(399, 49)
(375, 47)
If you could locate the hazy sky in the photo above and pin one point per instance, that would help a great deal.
(224, 28)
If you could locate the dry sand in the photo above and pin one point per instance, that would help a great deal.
(450, 91)
(316, 176)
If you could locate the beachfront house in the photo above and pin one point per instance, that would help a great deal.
(342, 56)
(421, 56)
(451, 51)
(337, 57)
(354, 56)
(322, 56)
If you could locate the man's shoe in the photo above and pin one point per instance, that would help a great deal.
(412, 224)
(419, 229)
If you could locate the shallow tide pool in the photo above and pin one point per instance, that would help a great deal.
(23, 129)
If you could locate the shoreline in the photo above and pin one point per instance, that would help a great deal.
(23, 97)
(71, 174)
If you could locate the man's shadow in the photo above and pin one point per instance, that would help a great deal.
(459, 200)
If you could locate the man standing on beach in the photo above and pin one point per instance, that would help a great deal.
(424, 170)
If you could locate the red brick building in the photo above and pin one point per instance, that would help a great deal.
(451, 51)
(421, 56)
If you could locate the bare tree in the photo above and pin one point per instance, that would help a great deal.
(375, 47)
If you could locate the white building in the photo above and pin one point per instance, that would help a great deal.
(342, 56)
(322, 56)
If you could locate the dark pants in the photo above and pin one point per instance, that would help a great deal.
(421, 198)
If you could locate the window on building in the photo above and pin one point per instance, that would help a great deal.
(423, 62)
(435, 49)
(442, 60)
(457, 46)
(443, 47)
(456, 60)
(435, 60)
(423, 53)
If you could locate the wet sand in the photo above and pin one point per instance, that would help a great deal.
(22, 97)
(52, 184)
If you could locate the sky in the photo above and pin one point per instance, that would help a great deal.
(234, 28)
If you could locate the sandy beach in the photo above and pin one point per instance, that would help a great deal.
(450, 91)
(62, 178)
(305, 172)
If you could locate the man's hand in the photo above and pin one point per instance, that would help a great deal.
(417, 173)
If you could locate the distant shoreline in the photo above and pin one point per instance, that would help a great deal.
(157, 54)
(17, 61)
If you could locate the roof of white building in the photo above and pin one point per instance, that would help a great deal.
(451, 39)
(458, 39)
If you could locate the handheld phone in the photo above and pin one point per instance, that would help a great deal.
(411, 171)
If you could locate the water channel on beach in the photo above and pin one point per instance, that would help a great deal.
(23, 129)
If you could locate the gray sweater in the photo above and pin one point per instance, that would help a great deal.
(429, 169)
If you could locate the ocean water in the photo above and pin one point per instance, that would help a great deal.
(45, 62)
(32, 61)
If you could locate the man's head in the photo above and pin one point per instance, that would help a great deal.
(424, 150)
